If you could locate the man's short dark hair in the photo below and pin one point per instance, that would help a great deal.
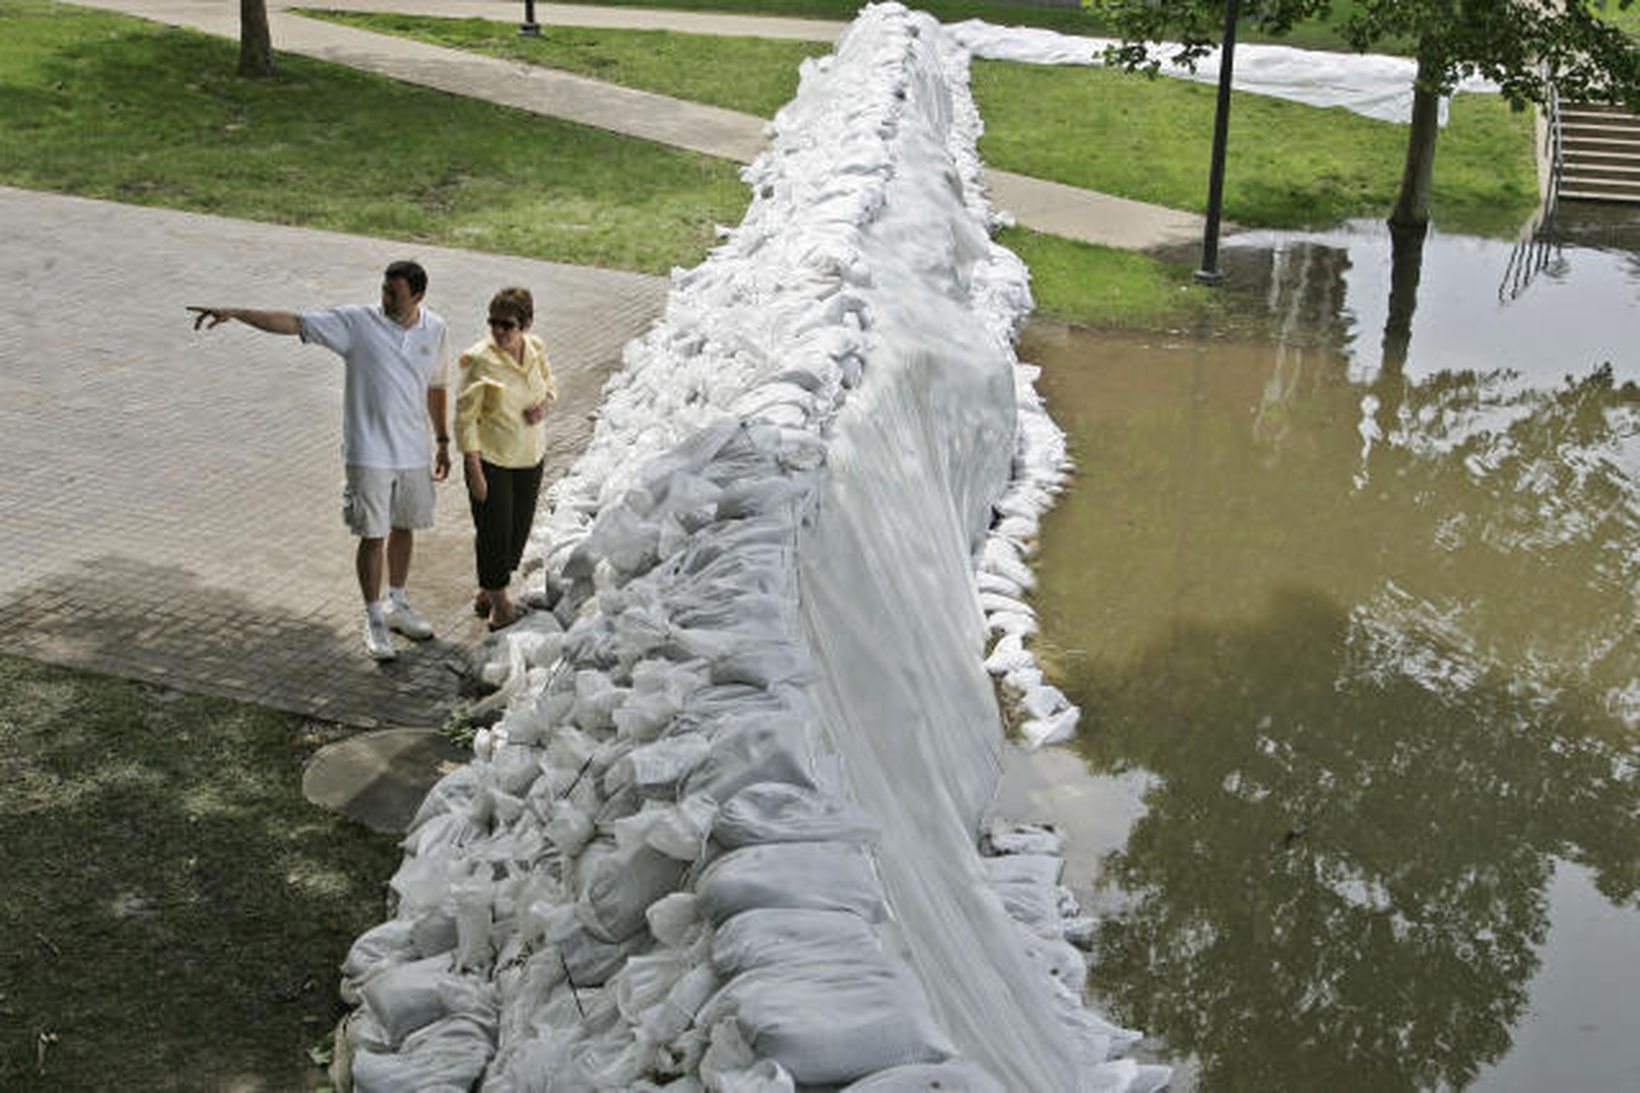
(411, 274)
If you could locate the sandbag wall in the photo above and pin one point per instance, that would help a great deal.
(715, 837)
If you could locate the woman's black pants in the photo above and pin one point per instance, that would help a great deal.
(502, 521)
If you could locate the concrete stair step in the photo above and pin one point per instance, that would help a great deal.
(1599, 145)
(1614, 116)
(1585, 128)
(1600, 195)
(1629, 173)
(1608, 108)
(1600, 159)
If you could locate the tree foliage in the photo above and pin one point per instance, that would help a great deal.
(1521, 45)
(1526, 47)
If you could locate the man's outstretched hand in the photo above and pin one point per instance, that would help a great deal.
(216, 315)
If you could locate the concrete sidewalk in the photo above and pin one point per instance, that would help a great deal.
(1034, 203)
(171, 508)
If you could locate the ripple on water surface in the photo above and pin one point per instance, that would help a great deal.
(1351, 612)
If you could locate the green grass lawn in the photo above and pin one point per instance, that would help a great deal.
(1288, 165)
(118, 108)
(173, 911)
(1103, 286)
(752, 75)
(1068, 20)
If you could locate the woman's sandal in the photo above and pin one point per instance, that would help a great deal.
(518, 613)
(481, 605)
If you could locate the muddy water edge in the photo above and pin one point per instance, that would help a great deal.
(1348, 598)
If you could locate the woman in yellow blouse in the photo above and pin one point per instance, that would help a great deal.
(506, 390)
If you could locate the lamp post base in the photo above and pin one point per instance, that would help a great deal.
(1208, 277)
(530, 30)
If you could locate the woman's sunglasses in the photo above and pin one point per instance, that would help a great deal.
(503, 324)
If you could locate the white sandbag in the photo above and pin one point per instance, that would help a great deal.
(516, 767)
(676, 1013)
(1055, 729)
(764, 1076)
(1026, 839)
(442, 832)
(1034, 906)
(769, 748)
(953, 1077)
(1011, 622)
(1043, 869)
(615, 1059)
(617, 887)
(619, 536)
(812, 876)
(654, 769)
(1061, 961)
(680, 831)
(1002, 558)
(673, 917)
(596, 699)
(589, 961)
(769, 812)
(1043, 701)
(1125, 1076)
(829, 1024)
(449, 793)
(386, 941)
(1008, 655)
(568, 828)
(406, 997)
(996, 601)
(753, 939)
(445, 1057)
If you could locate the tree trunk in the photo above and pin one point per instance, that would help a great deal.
(1406, 269)
(255, 43)
(1412, 207)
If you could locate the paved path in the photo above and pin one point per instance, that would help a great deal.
(170, 509)
(1044, 206)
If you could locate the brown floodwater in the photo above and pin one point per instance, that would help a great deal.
(1349, 602)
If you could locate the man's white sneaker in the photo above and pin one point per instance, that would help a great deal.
(403, 618)
(377, 640)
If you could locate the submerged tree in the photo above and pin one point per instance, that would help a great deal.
(255, 43)
(1527, 47)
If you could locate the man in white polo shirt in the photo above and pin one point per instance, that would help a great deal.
(397, 366)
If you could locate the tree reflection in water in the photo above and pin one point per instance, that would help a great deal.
(1381, 690)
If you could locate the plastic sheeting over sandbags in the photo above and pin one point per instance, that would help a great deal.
(819, 431)
(1371, 84)
(776, 812)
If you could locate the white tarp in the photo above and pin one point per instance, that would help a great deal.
(1371, 84)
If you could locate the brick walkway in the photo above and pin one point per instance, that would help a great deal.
(170, 510)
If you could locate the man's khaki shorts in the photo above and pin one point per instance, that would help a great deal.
(376, 500)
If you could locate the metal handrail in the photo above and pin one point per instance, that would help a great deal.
(1556, 150)
(1535, 250)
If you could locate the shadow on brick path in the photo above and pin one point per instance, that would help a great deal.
(160, 624)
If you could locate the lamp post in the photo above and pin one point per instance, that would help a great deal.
(1209, 273)
(530, 29)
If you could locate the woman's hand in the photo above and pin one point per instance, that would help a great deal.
(536, 411)
(472, 469)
